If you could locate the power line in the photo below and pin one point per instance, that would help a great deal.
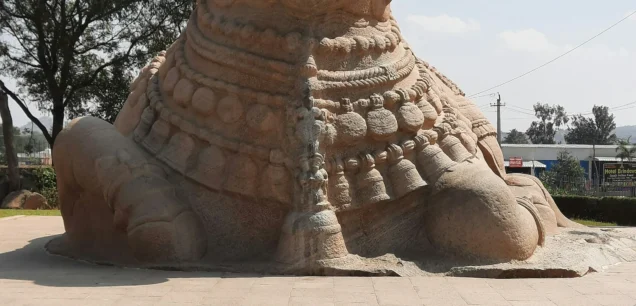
(614, 108)
(628, 104)
(520, 112)
(521, 108)
(517, 118)
(556, 58)
(492, 95)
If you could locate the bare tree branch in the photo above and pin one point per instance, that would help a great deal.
(27, 112)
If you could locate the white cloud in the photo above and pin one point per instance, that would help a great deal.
(533, 41)
(633, 17)
(529, 40)
(444, 24)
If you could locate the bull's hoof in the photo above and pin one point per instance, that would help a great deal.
(178, 240)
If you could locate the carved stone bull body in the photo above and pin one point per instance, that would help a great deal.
(295, 132)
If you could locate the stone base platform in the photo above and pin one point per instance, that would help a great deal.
(571, 253)
(30, 276)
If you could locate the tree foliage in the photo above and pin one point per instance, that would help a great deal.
(113, 93)
(516, 137)
(551, 118)
(598, 130)
(65, 54)
(565, 174)
(626, 150)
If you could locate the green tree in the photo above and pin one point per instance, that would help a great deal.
(516, 137)
(598, 130)
(64, 52)
(113, 93)
(565, 175)
(625, 150)
(551, 118)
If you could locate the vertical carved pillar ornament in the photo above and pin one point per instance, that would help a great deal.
(311, 233)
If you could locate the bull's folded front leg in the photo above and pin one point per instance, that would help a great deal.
(112, 196)
(471, 212)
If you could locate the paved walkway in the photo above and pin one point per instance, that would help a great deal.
(29, 276)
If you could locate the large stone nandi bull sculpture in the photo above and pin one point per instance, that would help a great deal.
(297, 133)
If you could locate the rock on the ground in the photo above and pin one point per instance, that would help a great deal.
(16, 199)
(35, 201)
(24, 199)
(4, 189)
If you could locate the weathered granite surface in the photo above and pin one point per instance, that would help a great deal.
(298, 136)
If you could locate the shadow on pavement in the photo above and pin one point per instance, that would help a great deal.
(33, 263)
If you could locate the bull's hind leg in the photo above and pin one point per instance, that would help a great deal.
(112, 196)
(531, 187)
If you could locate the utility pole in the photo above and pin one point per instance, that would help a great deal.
(498, 105)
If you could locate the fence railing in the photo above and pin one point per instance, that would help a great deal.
(29, 150)
(35, 159)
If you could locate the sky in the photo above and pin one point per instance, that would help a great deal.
(479, 44)
(482, 43)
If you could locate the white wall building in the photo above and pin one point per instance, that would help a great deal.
(538, 157)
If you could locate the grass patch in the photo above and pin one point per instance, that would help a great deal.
(17, 212)
(593, 223)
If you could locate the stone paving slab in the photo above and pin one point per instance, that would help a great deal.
(30, 276)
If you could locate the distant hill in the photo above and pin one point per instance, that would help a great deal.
(46, 121)
(626, 131)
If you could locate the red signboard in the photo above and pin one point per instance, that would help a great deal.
(515, 162)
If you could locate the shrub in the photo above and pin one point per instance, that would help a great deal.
(618, 209)
(45, 182)
(608, 209)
